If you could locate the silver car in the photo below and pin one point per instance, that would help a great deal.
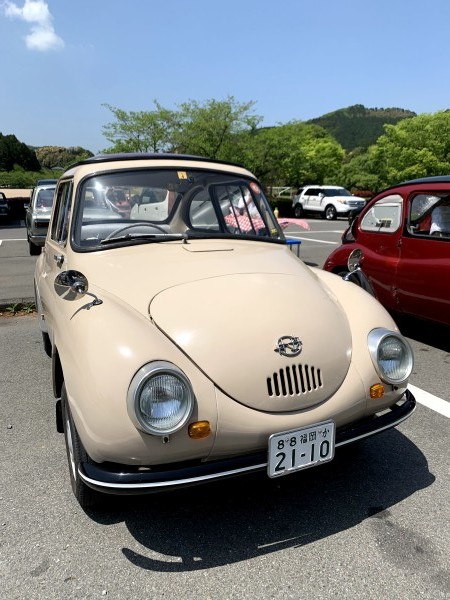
(37, 216)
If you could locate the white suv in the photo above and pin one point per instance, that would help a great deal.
(330, 201)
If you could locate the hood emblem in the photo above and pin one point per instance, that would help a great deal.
(289, 345)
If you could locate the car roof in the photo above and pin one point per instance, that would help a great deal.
(419, 181)
(325, 187)
(99, 158)
(435, 179)
(47, 182)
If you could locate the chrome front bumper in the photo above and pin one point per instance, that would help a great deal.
(122, 479)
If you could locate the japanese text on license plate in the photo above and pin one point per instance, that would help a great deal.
(301, 448)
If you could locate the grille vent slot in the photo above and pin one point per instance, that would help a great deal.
(294, 381)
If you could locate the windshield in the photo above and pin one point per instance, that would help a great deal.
(162, 205)
(44, 198)
(336, 192)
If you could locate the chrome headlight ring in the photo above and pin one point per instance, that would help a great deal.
(391, 355)
(160, 398)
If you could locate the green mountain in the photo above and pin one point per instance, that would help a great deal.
(359, 127)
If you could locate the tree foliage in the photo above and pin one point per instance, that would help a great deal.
(58, 157)
(293, 154)
(359, 127)
(141, 131)
(416, 147)
(213, 128)
(205, 129)
(228, 130)
(14, 153)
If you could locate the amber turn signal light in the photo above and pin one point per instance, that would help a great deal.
(199, 430)
(377, 390)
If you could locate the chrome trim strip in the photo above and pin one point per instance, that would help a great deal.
(134, 486)
(214, 476)
(368, 434)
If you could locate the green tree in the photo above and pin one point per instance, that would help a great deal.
(213, 129)
(141, 131)
(56, 158)
(294, 154)
(19, 178)
(13, 152)
(415, 147)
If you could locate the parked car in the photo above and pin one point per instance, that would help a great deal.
(327, 201)
(404, 237)
(178, 356)
(4, 207)
(37, 214)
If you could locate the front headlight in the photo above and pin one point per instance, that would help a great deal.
(160, 398)
(391, 355)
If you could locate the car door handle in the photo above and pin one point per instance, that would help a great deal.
(59, 259)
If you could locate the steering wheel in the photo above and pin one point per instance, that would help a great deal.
(114, 233)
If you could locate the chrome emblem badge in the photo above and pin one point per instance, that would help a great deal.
(289, 345)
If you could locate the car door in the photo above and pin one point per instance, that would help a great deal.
(53, 259)
(379, 235)
(423, 277)
(314, 199)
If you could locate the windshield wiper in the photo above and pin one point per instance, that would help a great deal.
(154, 237)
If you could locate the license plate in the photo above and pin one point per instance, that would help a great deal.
(292, 451)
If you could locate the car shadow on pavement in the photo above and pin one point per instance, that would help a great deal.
(432, 334)
(239, 519)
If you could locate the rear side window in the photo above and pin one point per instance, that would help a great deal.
(384, 216)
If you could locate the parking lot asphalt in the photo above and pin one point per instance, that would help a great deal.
(16, 265)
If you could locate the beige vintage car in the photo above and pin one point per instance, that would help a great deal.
(188, 342)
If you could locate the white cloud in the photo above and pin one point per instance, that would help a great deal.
(36, 12)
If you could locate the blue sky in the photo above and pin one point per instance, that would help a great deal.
(297, 59)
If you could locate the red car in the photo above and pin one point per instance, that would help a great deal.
(404, 236)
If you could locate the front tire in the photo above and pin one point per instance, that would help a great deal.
(76, 454)
(298, 211)
(330, 213)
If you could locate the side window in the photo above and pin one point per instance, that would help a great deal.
(61, 213)
(430, 215)
(384, 216)
(202, 214)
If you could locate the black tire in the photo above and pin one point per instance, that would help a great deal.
(298, 210)
(330, 213)
(34, 250)
(76, 454)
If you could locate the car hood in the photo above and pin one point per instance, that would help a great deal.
(227, 305)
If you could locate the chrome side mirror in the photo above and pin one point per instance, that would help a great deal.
(355, 273)
(354, 260)
(72, 285)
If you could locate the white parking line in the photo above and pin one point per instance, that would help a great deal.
(437, 404)
(305, 239)
(13, 240)
(341, 231)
